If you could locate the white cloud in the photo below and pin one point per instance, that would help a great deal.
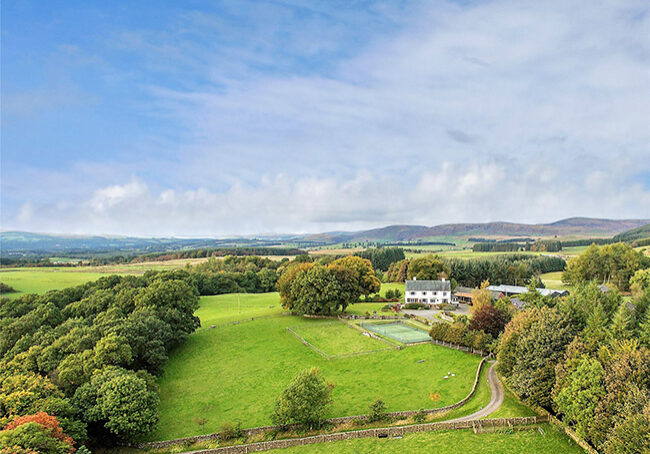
(498, 110)
(450, 193)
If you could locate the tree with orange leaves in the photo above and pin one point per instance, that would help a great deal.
(40, 432)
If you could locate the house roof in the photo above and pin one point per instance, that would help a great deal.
(460, 289)
(420, 286)
(519, 304)
(518, 289)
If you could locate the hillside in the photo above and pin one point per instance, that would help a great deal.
(634, 234)
(580, 227)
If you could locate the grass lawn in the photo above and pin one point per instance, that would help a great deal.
(234, 373)
(336, 338)
(40, 280)
(554, 280)
(220, 309)
(530, 441)
(511, 407)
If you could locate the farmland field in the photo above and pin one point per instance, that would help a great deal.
(40, 280)
(530, 440)
(234, 373)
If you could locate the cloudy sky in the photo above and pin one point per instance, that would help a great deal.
(236, 117)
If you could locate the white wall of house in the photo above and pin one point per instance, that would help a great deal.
(428, 297)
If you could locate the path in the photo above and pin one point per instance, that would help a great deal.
(496, 398)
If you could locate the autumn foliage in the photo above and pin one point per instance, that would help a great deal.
(47, 421)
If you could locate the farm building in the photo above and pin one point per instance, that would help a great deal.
(463, 295)
(427, 292)
(510, 290)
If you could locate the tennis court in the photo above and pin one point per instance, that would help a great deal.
(399, 331)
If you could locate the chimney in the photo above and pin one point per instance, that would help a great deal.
(443, 279)
(415, 278)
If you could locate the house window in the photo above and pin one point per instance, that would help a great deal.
(412, 293)
(424, 293)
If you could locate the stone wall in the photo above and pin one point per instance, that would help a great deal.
(574, 436)
(386, 432)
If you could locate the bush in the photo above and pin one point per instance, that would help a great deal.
(377, 411)
(230, 432)
(387, 308)
(416, 306)
(419, 417)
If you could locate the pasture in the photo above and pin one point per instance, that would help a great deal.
(233, 373)
(531, 440)
(554, 280)
(40, 280)
(335, 338)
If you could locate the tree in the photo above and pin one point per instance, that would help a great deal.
(490, 320)
(640, 282)
(623, 323)
(122, 402)
(366, 278)
(531, 355)
(305, 401)
(481, 297)
(39, 432)
(429, 267)
(580, 395)
(286, 280)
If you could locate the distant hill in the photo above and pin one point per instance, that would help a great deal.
(21, 243)
(579, 227)
(26, 243)
(638, 233)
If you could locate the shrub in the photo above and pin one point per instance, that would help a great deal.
(387, 308)
(416, 306)
(419, 417)
(230, 432)
(377, 411)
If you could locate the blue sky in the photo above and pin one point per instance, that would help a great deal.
(235, 117)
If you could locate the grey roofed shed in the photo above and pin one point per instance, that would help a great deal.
(426, 286)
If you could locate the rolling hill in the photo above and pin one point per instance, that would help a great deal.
(573, 227)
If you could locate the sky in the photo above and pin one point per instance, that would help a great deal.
(240, 117)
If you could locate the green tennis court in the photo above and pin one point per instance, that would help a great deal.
(399, 331)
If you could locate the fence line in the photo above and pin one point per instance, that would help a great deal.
(306, 342)
(370, 433)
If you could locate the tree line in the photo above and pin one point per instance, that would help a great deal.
(586, 358)
(502, 269)
(382, 258)
(88, 357)
(612, 264)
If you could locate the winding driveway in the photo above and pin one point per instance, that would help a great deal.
(496, 398)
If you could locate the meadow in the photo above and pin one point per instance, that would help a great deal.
(40, 280)
(543, 439)
(554, 280)
(233, 373)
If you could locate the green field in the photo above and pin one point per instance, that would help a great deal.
(336, 338)
(234, 373)
(40, 280)
(530, 440)
(554, 280)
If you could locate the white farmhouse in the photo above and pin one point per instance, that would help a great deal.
(427, 292)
